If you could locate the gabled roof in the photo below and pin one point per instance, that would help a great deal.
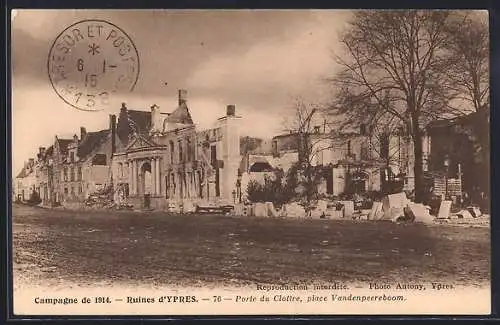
(49, 151)
(459, 120)
(90, 142)
(141, 120)
(22, 174)
(63, 145)
(180, 115)
(140, 141)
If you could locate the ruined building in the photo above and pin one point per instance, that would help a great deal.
(160, 158)
(151, 159)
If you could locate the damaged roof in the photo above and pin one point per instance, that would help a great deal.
(180, 115)
(91, 141)
(49, 151)
(22, 174)
(141, 120)
(63, 145)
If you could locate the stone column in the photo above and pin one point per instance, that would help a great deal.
(134, 176)
(195, 193)
(130, 179)
(158, 176)
(153, 175)
(192, 181)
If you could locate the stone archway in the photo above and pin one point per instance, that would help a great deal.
(145, 179)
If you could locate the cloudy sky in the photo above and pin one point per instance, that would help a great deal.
(257, 60)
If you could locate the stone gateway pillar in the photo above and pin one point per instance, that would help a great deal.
(134, 177)
(153, 175)
(158, 176)
(130, 180)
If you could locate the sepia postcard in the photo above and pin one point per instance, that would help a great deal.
(250, 162)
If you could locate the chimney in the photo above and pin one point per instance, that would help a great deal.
(231, 110)
(75, 137)
(124, 107)
(182, 96)
(83, 132)
(112, 127)
(155, 118)
(41, 151)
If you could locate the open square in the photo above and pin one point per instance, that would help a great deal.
(84, 248)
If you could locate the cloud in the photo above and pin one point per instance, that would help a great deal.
(271, 72)
(171, 44)
(257, 60)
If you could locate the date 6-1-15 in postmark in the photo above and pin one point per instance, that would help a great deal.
(90, 62)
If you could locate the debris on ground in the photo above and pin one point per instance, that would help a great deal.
(260, 210)
(475, 211)
(395, 207)
(419, 213)
(318, 210)
(104, 198)
(444, 209)
(464, 214)
(376, 211)
(348, 208)
(294, 210)
(396, 200)
(271, 211)
(188, 207)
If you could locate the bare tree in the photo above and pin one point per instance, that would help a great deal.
(393, 72)
(467, 43)
(311, 141)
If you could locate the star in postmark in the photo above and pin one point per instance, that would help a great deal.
(94, 49)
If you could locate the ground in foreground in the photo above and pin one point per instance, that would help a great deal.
(161, 249)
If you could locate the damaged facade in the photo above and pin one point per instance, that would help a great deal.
(161, 159)
(355, 161)
(152, 159)
(71, 169)
(25, 182)
(156, 159)
(456, 154)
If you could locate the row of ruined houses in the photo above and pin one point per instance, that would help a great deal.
(152, 158)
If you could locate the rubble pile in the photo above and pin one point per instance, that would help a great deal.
(188, 207)
(242, 210)
(319, 210)
(173, 207)
(294, 210)
(260, 210)
(397, 207)
(393, 207)
(471, 215)
(101, 199)
(271, 211)
(107, 198)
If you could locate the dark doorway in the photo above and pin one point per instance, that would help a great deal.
(147, 201)
(329, 181)
(167, 186)
(217, 182)
(200, 186)
(213, 156)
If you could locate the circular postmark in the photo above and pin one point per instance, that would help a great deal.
(90, 62)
